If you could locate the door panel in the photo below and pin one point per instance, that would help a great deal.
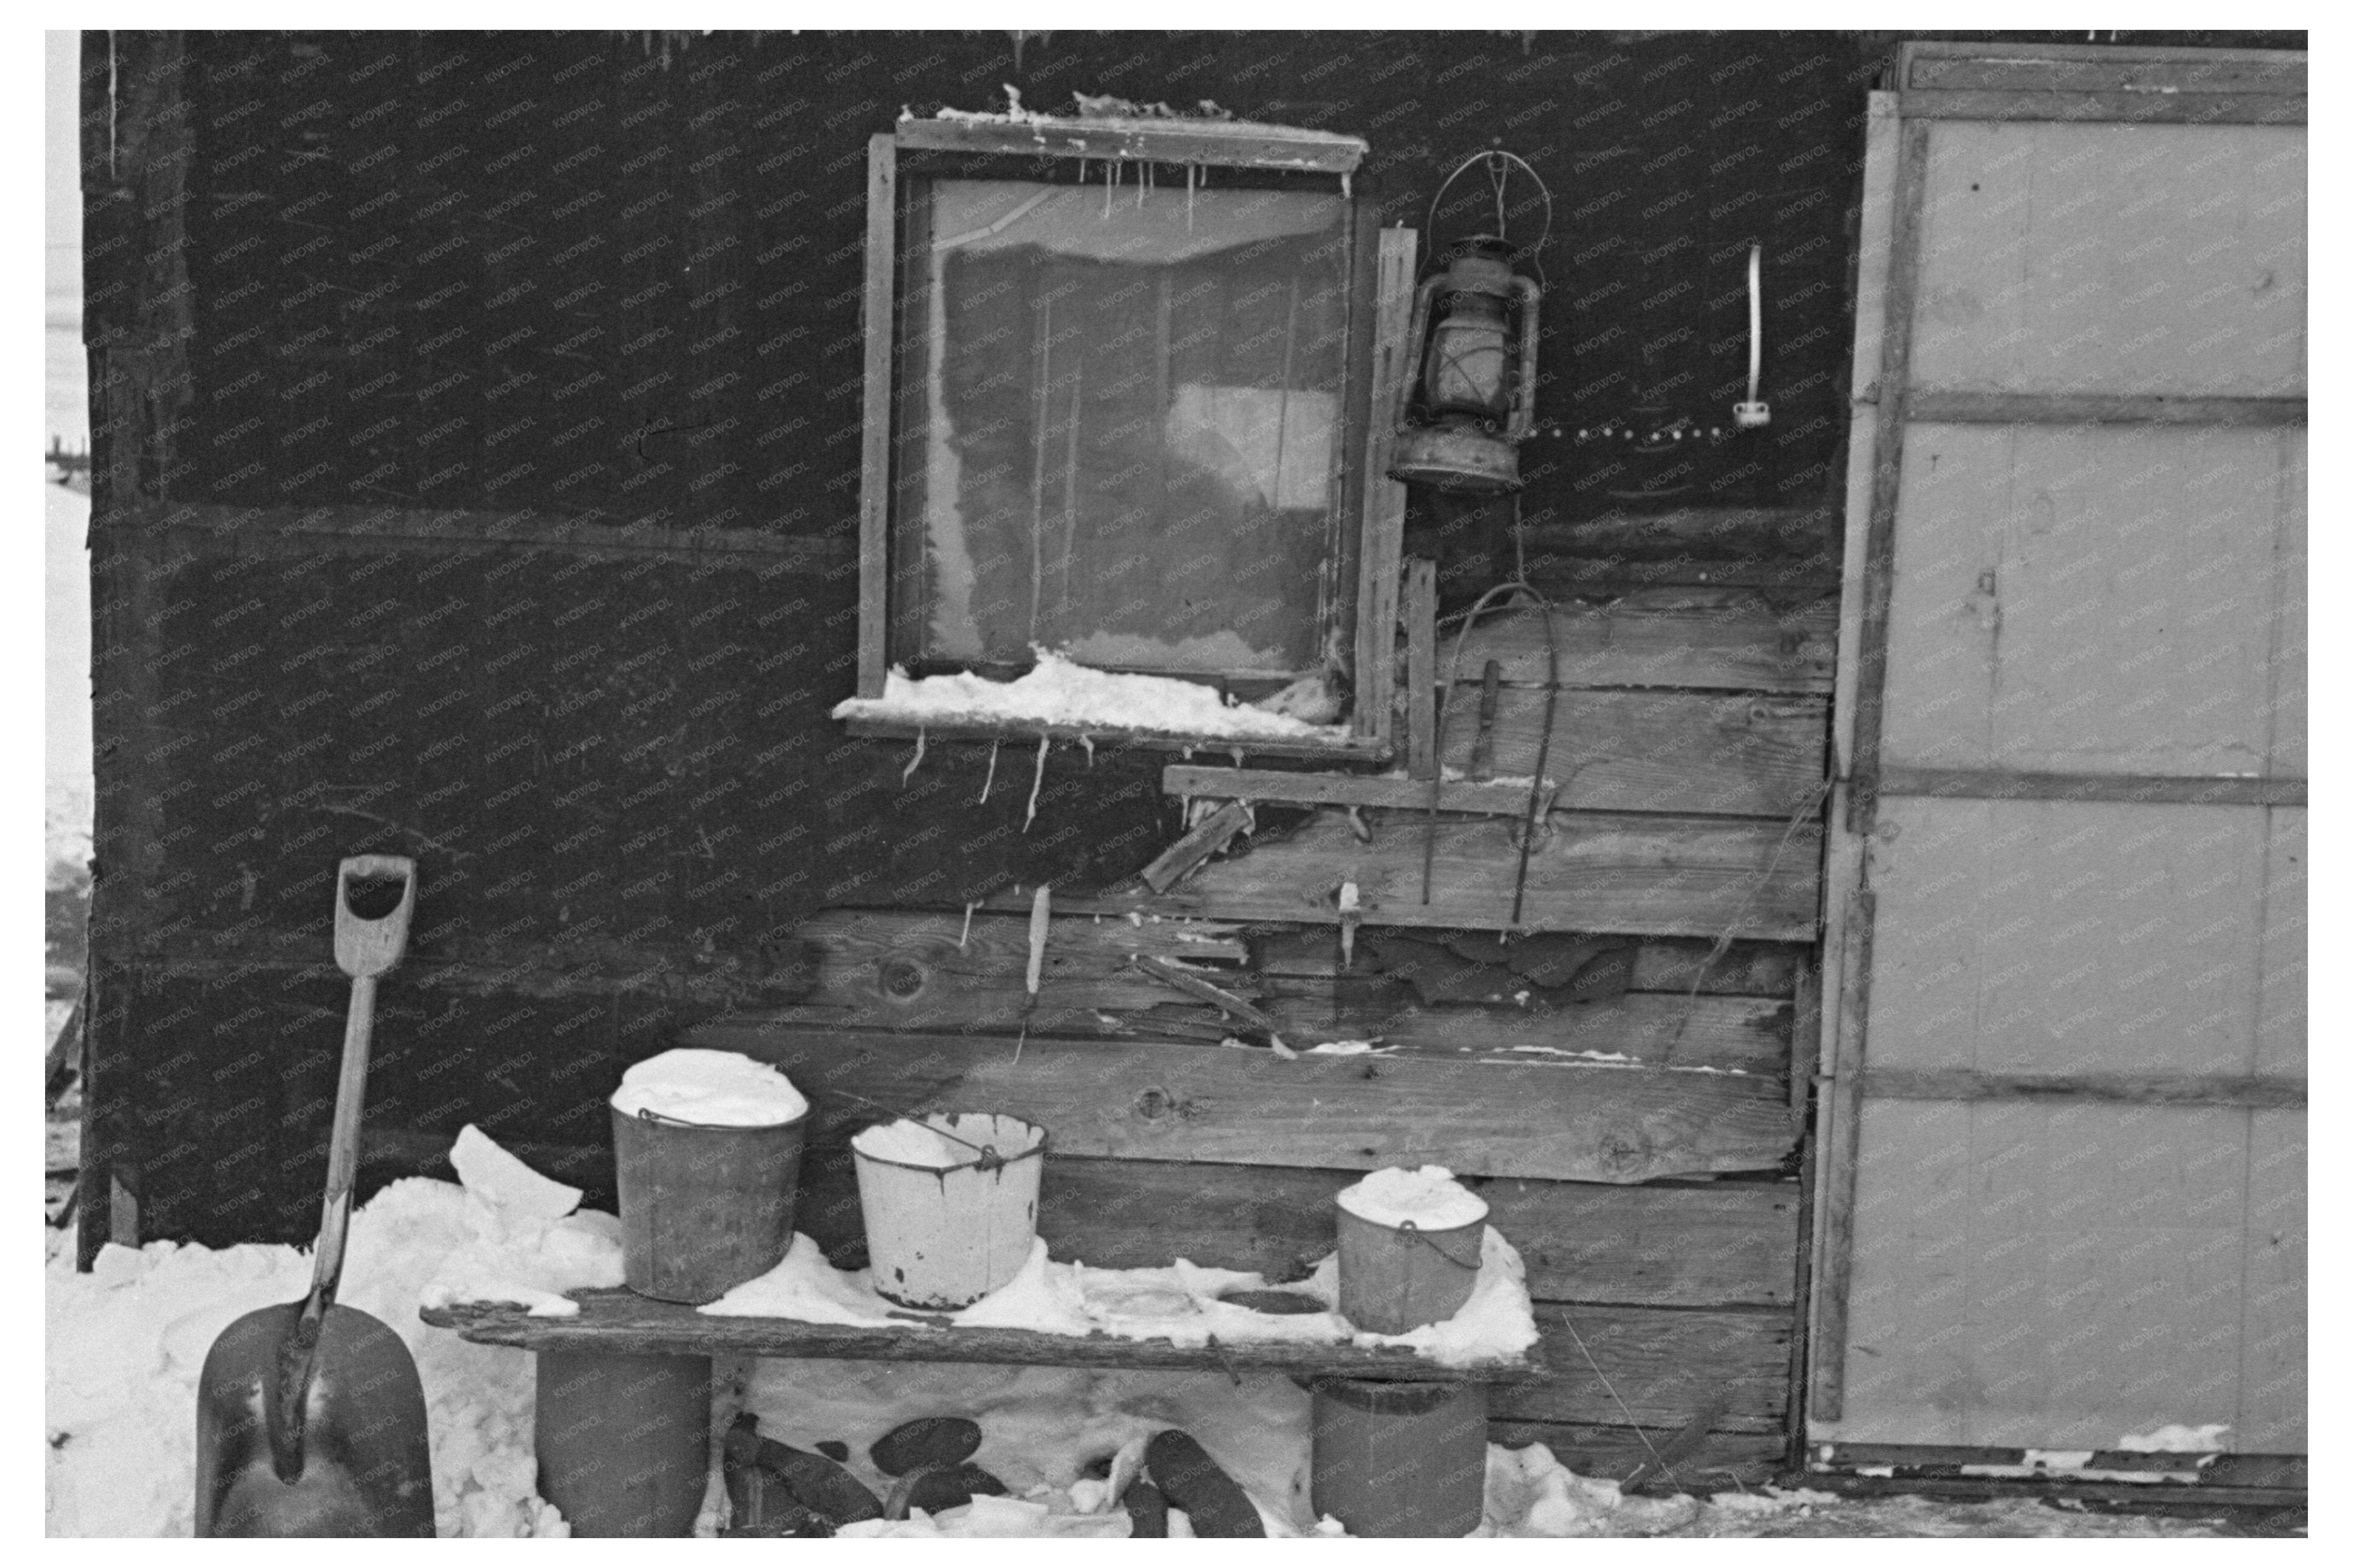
(2096, 599)
(2058, 937)
(2048, 1275)
(2090, 257)
(2063, 1200)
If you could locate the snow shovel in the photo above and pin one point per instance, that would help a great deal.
(310, 1417)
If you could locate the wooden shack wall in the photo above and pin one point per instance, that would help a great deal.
(476, 426)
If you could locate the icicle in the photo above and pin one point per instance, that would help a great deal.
(1040, 913)
(1143, 183)
(1191, 171)
(1037, 782)
(992, 771)
(964, 935)
(1089, 742)
(1343, 184)
(1347, 923)
(914, 761)
(1111, 183)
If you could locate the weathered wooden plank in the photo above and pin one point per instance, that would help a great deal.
(1731, 1034)
(1661, 963)
(1929, 406)
(1722, 1460)
(2216, 109)
(878, 319)
(2113, 1089)
(1382, 530)
(1151, 1100)
(1837, 1156)
(621, 1323)
(907, 971)
(1728, 641)
(1562, 570)
(1343, 789)
(1609, 751)
(1665, 875)
(1209, 835)
(1722, 532)
(1899, 286)
(1665, 1365)
(1231, 142)
(1958, 1460)
(1998, 783)
(2138, 1497)
(1698, 1244)
(2013, 66)
(1656, 751)
(1419, 609)
(1341, 747)
(1748, 1035)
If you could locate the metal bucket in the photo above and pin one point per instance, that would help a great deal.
(1395, 1279)
(1399, 1458)
(945, 1238)
(702, 1208)
(624, 1441)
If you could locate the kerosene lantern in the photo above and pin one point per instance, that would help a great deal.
(1461, 419)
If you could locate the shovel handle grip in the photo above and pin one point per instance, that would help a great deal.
(365, 945)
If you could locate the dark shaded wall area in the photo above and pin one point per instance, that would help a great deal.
(377, 320)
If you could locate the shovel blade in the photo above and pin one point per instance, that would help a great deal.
(366, 1467)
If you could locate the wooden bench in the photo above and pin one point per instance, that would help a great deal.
(623, 1406)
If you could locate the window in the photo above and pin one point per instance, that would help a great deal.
(1117, 403)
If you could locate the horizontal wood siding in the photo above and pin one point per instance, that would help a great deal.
(1725, 640)
(1657, 875)
(1240, 1106)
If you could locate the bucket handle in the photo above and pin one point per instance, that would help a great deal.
(990, 1159)
(1415, 1232)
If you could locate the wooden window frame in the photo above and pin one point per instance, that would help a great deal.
(1369, 528)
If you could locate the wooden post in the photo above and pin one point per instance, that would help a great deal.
(1384, 497)
(1420, 614)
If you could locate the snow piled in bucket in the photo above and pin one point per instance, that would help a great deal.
(1427, 1199)
(1055, 691)
(709, 1089)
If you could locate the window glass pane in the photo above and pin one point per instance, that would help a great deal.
(1123, 420)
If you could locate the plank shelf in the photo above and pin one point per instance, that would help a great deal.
(621, 1323)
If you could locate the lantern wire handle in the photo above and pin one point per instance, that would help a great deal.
(1498, 164)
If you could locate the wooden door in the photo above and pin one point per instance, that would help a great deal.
(2063, 1193)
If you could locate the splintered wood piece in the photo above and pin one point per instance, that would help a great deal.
(621, 1323)
(1194, 985)
(1213, 833)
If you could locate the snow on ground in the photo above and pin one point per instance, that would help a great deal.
(125, 1343)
